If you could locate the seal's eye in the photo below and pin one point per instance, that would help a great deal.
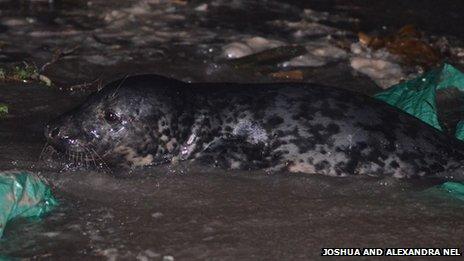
(111, 117)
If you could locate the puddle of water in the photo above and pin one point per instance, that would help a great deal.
(231, 216)
(196, 214)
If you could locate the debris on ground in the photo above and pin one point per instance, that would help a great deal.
(3, 110)
(319, 53)
(23, 72)
(57, 55)
(310, 25)
(269, 57)
(408, 43)
(390, 59)
(92, 86)
(249, 46)
(381, 66)
(383, 72)
(295, 75)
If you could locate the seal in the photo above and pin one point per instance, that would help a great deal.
(147, 120)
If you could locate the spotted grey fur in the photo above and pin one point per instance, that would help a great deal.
(149, 120)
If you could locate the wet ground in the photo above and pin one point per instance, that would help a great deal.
(190, 213)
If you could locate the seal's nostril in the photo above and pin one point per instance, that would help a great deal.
(55, 132)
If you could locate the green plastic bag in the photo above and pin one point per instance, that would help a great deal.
(417, 96)
(455, 189)
(23, 194)
(448, 190)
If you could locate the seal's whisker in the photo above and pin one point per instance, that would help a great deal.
(62, 169)
(47, 151)
(53, 151)
(74, 160)
(103, 162)
(71, 155)
(44, 148)
(113, 95)
(87, 164)
(83, 158)
(78, 154)
(93, 158)
(96, 159)
(78, 159)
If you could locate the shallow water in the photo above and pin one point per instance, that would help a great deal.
(217, 216)
(187, 212)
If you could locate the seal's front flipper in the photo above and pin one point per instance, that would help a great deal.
(234, 153)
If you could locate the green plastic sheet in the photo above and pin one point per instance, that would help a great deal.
(448, 191)
(417, 96)
(25, 195)
(455, 189)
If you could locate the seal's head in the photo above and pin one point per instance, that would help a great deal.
(130, 122)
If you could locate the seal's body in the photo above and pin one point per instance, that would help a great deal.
(148, 120)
